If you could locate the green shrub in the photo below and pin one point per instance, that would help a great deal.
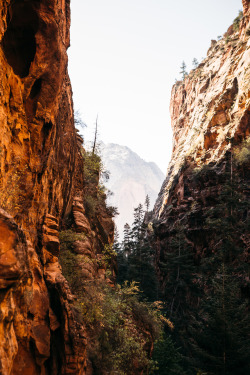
(242, 152)
(120, 326)
(166, 356)
(69, 260)
(68, 237)
(236, 22)
(90, 205)
(95, 192)
(92, 167)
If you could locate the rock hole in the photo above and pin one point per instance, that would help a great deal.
(184, 95)
(31, 103)
(19, 42)
(36, 88)
(46, 131)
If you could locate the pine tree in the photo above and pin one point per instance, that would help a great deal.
(221, 344)
(127, 243)
(220, 334)
(195, 63)
(183, 71)
(147, 202)
(167, 357)
(136, 257)
(180, 273)
(137, 223)
(123, 252)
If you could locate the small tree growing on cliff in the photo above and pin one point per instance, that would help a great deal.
(95, 137)
(183, 71)
(195, 63)
(78, 120)
(236, 22)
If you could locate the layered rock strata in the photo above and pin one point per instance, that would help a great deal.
(210, 106)
(41, 187)
(210, 115)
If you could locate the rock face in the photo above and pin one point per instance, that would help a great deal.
(210, 113)
(41, 187)
(210, 106)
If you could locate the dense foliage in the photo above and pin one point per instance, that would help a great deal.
(136, 262)
(205, 274)
(206, 269)
(120, 325)
(95, 193)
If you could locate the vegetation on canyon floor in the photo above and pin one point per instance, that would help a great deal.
(193, 300)
(203, 305)
(121, 326)
(205, 295)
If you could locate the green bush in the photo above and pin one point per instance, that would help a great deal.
(92, 167)
(120, 335)
(236, 22)
(68, 237)
(69, 260)
(90, 205)
(120, 326)
(166, 356)
(95, 192)
(242, 152)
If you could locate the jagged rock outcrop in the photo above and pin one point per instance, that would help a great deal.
(210, 106)
(210, 113)
(41, 187)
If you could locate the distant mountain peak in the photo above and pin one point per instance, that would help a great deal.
(131, 179)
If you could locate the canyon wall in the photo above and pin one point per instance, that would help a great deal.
(41, 191)
(210, 106)
(208, 174)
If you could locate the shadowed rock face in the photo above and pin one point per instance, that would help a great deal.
(41, 180)
(19, 42)
(210, 114)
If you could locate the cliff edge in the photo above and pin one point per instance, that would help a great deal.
(210, 106)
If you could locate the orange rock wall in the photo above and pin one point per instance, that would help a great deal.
(38, 140)
(41, 175)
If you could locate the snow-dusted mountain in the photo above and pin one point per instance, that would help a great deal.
(131, 179)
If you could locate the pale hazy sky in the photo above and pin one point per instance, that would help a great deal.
(124, 58)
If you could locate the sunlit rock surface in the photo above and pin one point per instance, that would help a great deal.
(210, 106)
(41, 187)
(210, 114)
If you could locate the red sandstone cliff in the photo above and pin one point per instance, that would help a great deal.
(41, 185)
(211, 105)
(210, 114)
